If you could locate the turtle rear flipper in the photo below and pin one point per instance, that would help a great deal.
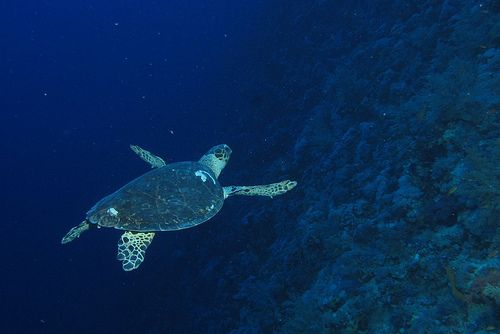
(75, 232)
(132, 248)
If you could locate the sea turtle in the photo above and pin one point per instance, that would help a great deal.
(170, 197)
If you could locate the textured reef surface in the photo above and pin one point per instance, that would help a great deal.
(387, 114)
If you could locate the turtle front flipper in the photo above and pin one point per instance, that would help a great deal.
(150, 158)
(132, 248)
(75, 232)
(271, 190)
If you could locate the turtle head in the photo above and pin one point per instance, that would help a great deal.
(216, 158)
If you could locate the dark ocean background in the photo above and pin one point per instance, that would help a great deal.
(385, 112)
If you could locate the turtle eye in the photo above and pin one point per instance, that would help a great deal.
(219, 154)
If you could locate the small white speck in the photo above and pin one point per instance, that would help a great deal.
(171, 131)
(200, 174)
(112, 212)
(203, 175)
(117, 24)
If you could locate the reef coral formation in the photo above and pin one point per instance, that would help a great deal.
(393, 132)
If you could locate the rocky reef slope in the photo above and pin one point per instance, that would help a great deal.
(387, 114)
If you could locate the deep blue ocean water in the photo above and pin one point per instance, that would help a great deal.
(385, 112)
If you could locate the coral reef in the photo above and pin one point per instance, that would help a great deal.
(393, 128)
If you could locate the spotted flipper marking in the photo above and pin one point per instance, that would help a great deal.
(132, 248)
(271, 190)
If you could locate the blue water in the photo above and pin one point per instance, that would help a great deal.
(385, 112)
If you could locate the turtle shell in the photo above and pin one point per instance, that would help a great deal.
(173, 197)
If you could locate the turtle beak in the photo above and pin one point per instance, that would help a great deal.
(228, 150)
